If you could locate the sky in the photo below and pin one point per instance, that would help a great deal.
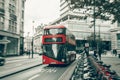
(41, 12)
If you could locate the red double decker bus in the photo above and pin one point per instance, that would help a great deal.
(58, 45)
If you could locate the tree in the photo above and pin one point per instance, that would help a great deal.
(105, 9)
(97, 41)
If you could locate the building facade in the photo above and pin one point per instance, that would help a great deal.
(27, 44)
(11, 27)
(115, 36)
(79, 21)
(38, 38)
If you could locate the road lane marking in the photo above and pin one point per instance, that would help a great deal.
(51, 70)
(48, 70)
(33, 77)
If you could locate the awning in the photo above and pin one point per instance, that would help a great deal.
(4, 41)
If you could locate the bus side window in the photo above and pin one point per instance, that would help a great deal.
(46, 32)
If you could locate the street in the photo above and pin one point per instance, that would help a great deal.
(42, 72)
(25, 68)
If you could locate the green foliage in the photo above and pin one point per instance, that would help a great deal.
(104, 7)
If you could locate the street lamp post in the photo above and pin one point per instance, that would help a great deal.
(94, 26)
(28, 44)
(99, 45)
(33, 41)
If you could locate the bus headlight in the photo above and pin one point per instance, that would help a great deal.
(63, 60)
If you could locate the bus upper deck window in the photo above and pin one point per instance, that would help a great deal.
(47, 32)
(60, 31)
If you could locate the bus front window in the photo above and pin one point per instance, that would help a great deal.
(53, 31)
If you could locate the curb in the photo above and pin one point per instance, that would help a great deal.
(19, 71)
(68, 73)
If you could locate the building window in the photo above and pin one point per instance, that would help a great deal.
(11, 9)
(13, 2)
(1, 19)
(118, 24)
(118, 41)
(12, 26)
(118, 36)
(1, 23)
(23, 4)
(1, 5)
(22, 14)
(1, 26)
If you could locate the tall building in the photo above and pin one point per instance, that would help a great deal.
(38, 38)
(79, 22)
(115, 36)
(27, 43)
(11, 27)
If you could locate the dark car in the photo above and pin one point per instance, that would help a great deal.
(2, 61)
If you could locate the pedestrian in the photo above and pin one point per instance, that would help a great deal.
(0, 53)
(99, 53)
(86, 51)
(115, 52)
(95, 53)
(105, 52)
(29, 53)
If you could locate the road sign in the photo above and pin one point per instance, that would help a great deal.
(86, 44)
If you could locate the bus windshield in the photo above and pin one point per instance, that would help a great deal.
(54, 31)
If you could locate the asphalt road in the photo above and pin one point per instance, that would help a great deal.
(18, 69)
(43, 72)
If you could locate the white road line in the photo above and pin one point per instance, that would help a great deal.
(33, 77)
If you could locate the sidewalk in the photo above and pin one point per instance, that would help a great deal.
(18, 64)
(113, 60)
(21, 57)
(109, 54)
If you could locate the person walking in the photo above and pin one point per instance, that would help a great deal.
(95, 53)
(29, 53)
(86, 51)
(99, 53)
(115, 52)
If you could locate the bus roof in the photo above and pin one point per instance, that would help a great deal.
(54, 26)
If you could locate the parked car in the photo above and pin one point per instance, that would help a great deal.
(2, 61)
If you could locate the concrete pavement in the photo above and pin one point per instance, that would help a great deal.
(18, 64)
(113, 60)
